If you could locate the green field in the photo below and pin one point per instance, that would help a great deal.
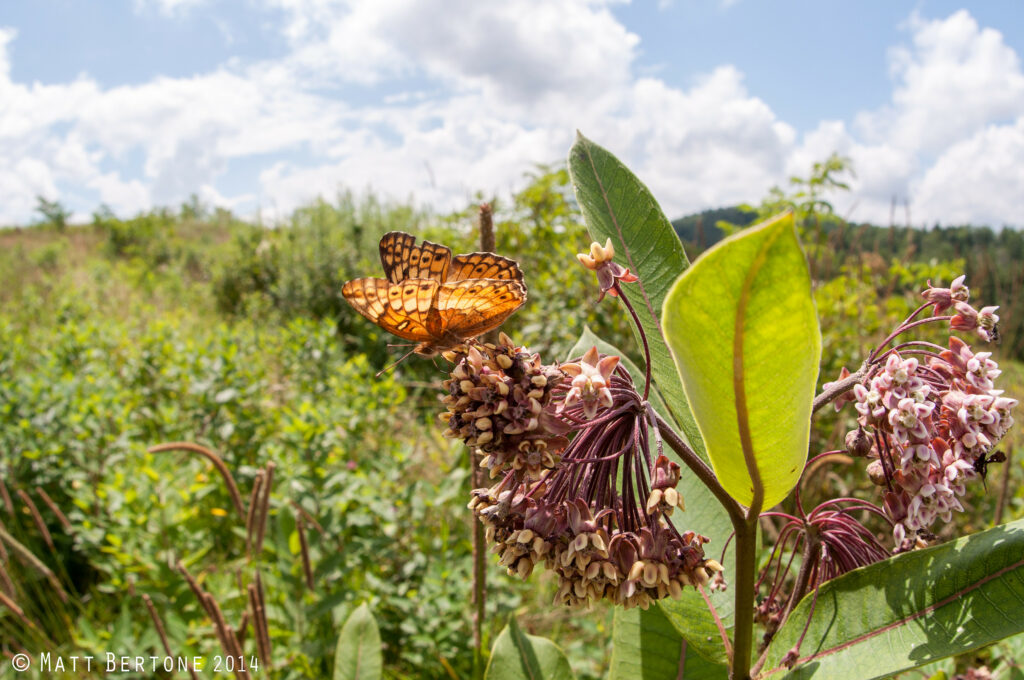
(191, 325)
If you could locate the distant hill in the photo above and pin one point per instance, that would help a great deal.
(993, 259)
(699, 231)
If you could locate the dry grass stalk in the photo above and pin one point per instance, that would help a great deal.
(5, 581)
(219, 629)
(309, 518)
(37, 519)
(240, 631)
(230, 643)
(197, 590)
(163, 633)
(264, 508)
(12, 605)
(8, 503)
(257, 613)
(18, 612)
(31, 560)
(259, 623)
(61, 517)
(218, 463)
(307, 568)
(241, 627)
(264, 629)
(250, 517)
(225, 635)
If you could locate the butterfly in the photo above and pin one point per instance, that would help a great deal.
(434, 299)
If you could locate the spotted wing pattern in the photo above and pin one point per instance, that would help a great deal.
(435, 300)
(468, 308)
(399, 308)
(403, 259)
(483, 266)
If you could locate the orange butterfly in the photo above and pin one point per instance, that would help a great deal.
(434, 299)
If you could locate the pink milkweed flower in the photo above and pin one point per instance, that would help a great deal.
(590, 378)
(944, 298)
(983, 322)
(608, 272)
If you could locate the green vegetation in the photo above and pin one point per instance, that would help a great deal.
(193, 325)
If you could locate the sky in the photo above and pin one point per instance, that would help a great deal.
(260, 106)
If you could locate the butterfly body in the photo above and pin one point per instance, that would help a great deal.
(433, 299)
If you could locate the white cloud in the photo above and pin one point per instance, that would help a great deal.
(169, 7)
(711, 145)
(7, 35)
(124, 198)
(521, 50)
(979, 180)
(955, 78)
(455, 107)
(958, 90)
(882, 172)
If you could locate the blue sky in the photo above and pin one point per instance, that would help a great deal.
(262, 105)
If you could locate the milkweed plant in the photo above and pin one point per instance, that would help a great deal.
(644, 485)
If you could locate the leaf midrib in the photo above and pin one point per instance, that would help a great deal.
(622, 240)
(906, 619)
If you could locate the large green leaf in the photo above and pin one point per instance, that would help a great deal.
(617, 205)
(689, 613)
(690, 616)
(910, 610)
(358, 654)
(645, 646)
(743, 329)
(518, 656)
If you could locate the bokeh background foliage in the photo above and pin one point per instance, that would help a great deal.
(191, 324)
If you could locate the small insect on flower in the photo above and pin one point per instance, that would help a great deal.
(982, 461)
(436, 300)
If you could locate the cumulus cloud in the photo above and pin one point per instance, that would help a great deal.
(955, 78)
(369, 96)
(979, 180)
(527, 53)
(958, 92)
(169, 7)
(123, 197)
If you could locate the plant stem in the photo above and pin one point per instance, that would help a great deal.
(745, 524)
(840, 387)
(701, 469)
(1004, 488)
(643, 337)
(479, 578)
(806, 567)
(476, 475)
(746, 561)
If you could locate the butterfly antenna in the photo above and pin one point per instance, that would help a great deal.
(392, 366)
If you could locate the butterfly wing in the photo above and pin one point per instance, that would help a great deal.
(404, 260)
(484, 266)
(467, 308)
(399, 308)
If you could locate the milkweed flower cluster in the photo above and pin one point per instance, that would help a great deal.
(579, 491)
(930, 423)
(496, 398)
(982, 322)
